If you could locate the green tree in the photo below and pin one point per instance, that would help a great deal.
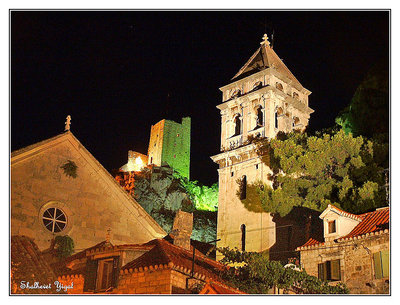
(254, 273)
(314, 171)
(368, 112)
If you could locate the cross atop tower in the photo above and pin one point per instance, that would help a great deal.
(265, 40)
(68, 123)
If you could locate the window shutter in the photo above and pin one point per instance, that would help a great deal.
(322, 271)
(335, 270)
(115, 273)
(385, 263)
(378, 265)
(90, 275)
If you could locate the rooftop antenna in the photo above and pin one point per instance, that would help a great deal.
(272, 39)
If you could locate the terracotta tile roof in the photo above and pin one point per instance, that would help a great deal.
(212, 287)
(29, 265)
(372, 222)
(265, 57)
(312, 242)
(166, 254)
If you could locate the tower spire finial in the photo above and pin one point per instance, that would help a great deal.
(265, 40)
(68, 123)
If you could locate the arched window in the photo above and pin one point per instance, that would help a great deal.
(260, 117)
(279, 86)
(238, 126)
(243, 187)
(276, 118)
(243, 229)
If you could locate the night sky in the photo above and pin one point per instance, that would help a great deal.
(117, 73)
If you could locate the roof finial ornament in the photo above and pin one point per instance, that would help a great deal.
(68, 123)
(265, 40)
(108, 235)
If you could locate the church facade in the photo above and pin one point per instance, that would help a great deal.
(58, 188)
(263, 98)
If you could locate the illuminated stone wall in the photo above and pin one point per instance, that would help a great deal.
(257, 104)
(356, 262)
(170, 144)
(92, 202)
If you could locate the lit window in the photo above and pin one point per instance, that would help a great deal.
(54, 220)
(105, 272)
(101, 275)
(381, 264)
(332, 226)
(329, 270)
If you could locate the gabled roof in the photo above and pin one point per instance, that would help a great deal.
(213, 287)
(164, 253)
(372, 223)
(341, 213)
(29, 265)
(37, 148)
(265, 57)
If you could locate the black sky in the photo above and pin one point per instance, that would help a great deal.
(117, 73)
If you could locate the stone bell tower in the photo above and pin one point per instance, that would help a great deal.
(262, 99)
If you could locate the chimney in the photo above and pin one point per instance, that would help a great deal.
(182, 229)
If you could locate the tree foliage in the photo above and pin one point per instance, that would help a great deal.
(314, 171)
(204, 197)
(64, 246)
(161, 196)
(254, 273)
(368, 112)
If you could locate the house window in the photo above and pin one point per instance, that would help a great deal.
(329, 270)
(238, 126)
(104, 274)
(101, 275)
(243, 229)
(332, 226)
(381, 264)
(54, 219)
(243, 187)
(232, 173)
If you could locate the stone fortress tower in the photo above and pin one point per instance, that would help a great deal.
(263, 98)
(170, 144)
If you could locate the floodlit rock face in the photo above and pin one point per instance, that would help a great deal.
(59, 188)
(263, 99)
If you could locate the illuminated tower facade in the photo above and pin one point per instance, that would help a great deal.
(170, 145)
(262, 99)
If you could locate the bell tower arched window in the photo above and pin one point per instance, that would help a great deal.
(260, 117)
(238, 126)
